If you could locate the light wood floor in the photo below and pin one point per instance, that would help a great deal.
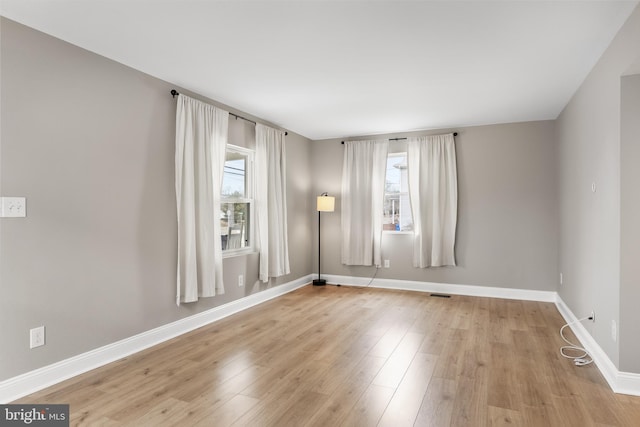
(341, 356)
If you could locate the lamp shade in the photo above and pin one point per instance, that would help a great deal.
(326, 203)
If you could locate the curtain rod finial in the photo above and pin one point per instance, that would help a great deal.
(174, 93)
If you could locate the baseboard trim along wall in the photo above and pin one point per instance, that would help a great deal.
(620, 382)
(30, 382)
(444, 288)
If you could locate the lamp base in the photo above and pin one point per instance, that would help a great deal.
(319, 282)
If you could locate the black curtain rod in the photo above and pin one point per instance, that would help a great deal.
(175, 93)
(402, 139)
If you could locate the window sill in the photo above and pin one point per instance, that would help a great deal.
(396, 232)
(238, 252)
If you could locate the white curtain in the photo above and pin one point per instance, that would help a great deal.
(271, 203)
(201, 139)
(433, 191)
(363, 177)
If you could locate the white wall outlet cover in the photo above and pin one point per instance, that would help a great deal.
(36, 337)
(13, 207)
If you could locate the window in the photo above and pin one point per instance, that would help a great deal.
(397, 208)
(237, 199)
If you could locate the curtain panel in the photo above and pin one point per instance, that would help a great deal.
(271, 203)
(201, 139)
(433, 191)
(363, 177)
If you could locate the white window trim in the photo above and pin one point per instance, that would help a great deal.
(396, 232)
(228, 253)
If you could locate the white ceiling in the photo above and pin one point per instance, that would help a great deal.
(344, 68)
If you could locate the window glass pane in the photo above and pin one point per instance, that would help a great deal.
(397, 208)
(234, 225)
(391, 211)
(234, 182)
(395, 163)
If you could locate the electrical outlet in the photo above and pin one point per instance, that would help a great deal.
(13, 207)
(593, 316)
(614, 331)
(240, 280)
(387, 263)
(36, 337)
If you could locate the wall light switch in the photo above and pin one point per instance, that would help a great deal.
(13, 207)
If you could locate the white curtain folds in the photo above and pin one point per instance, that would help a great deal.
(271, 203)
(363, 175)
(433, 191)
(201, 139)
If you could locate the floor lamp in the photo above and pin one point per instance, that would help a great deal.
(325, 203)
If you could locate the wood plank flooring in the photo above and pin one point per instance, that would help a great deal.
(342, 356)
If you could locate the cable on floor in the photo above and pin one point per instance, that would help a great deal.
(584, 357)
(374, 276)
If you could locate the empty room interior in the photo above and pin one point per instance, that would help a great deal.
(320, 213)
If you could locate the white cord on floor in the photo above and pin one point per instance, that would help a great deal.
(584, 358)
(374, 276)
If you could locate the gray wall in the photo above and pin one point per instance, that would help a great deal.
(630, 224)
(90, 144)
(507, 210)
(588, 134)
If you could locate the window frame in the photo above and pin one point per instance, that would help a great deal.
(249, 199)
(399, 193)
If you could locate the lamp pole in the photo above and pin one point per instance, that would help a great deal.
(319, 281)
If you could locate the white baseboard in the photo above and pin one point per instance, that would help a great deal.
(30, 382)
(620, 382)
(444, 288)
